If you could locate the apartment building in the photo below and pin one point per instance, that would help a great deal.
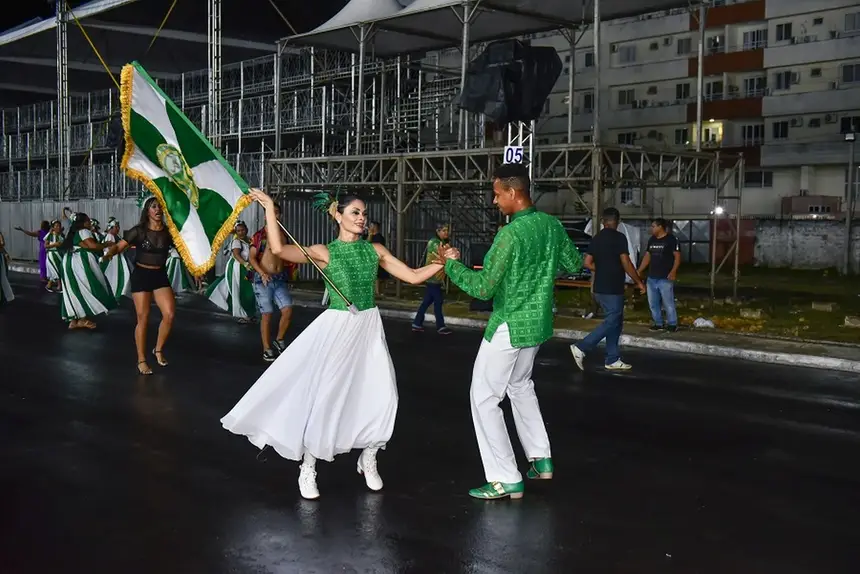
(781, 85)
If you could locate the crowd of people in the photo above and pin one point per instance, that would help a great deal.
(333, 389)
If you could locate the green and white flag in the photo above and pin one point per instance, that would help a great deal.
(200, 193)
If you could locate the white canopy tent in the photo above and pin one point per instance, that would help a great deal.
(433, 24)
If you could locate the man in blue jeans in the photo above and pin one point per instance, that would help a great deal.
(609, 260)
(664, 256)
(433, 293)
(270, 280)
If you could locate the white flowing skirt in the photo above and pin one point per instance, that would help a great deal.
(118, 274)
(6, 294)
(233, 293)
(54, 265)
(86, 292)
(180, 279)
(332, 390)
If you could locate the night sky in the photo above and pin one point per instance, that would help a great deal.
(240, 17)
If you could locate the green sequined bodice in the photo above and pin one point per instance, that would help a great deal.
(352, 267)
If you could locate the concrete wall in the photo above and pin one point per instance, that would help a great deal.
(805, 244)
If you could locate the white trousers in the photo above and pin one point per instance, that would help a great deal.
(501, 370)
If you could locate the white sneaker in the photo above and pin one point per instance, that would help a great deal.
(578, 356)
(308, 482)
(367, 467)
(618, 365)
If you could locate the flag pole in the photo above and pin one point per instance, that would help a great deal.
(349, 305)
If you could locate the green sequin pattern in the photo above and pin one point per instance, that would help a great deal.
(519, 275)
(352, 267)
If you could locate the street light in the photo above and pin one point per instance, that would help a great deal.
(849, 203)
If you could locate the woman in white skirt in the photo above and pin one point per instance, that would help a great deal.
(233, 292)
(6, 294)
(116, 269)
(333, 389)
(53, 260)
(86, 292)
(180, 279)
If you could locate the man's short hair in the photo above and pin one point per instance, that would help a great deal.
(514, 176)
(441, 226)
(664, 223)
(376, 223)
(611, 214)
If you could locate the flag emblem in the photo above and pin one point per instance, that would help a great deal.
(200, 193)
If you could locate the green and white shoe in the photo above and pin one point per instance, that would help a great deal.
(541, 469)
(497, 490)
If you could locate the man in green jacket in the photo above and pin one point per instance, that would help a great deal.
(433, 292)
(519, 276)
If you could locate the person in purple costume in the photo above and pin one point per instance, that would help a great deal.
(43, 230)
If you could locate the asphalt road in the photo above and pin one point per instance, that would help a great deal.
(686, 464)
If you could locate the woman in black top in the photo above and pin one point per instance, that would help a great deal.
(152, 242)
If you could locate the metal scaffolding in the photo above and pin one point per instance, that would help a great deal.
(309, 118)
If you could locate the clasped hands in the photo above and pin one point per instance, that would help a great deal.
(444, 253)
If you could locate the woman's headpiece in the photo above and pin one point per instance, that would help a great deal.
(239, 223)
(54, 222)
(144, 197)
(73, 216)
(95, 222)
(112, 222)
(326, 203)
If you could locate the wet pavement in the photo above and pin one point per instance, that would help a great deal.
(686, 464)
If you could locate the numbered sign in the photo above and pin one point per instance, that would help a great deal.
(513, 154)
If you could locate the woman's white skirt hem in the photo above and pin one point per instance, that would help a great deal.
(331, 391)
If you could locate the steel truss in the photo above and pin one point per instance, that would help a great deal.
(404, 178)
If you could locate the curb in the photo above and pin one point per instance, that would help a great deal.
(672, 345)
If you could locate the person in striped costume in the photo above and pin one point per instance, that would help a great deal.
(116, 269)
(54, 262)
(233, 291)
(180, 279)
(86, 293)
(6, 294)
(96, 228)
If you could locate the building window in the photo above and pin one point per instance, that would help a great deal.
(588, 102)
(850, 124)
(852, 22)
(783, 32)
(627, 138)
(780, 130)
(815, 73)
(682, 136)
(589, 59)
(654, 46)
(818, 21)
(850, 73)
(682, 91)
(586, 138)
(716, 44)
(753, 134)
(757, 179)
(652, 90)
(755, 87)
(627, 54)
(626, 97)
(685, 46)
(784, 80)
(755, 39)
(815, 123)
(714, 90)
(626, 195)
(567, 59)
